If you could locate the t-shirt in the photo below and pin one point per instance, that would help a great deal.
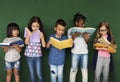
(104, 53)
(12, 54)
(80, 46)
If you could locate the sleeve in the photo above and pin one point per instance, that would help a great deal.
(5, 40)
(21, 42)
(69, 33)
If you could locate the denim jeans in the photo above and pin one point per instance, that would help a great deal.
(83, 60)
(56, 71)
(34, 64)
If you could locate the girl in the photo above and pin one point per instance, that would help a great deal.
(103, 56)
(34, 38)
(80, 50)
(12, 53)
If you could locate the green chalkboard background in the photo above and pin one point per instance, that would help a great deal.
(20, 11)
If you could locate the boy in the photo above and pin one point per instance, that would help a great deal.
(57, 57)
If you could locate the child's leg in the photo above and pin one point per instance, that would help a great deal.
(8, 75)
(53, 73)
(31, 66)
(8, 66)
(16, 74)
(60, 73)
(84, 67)
(98, 69)
(106, 70)
(74, 67)
(16, 70)
(38, 68)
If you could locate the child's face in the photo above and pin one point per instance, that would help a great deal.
(15, 33)
(35, 26)
(81, 23)
(103, 30)
(59, 30)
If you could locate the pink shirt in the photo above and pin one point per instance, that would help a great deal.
(104, 53)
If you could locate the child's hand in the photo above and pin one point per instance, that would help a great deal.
(101, 48)
(15, 45)
(104, 48)
(76, 34)
(28, 32)
(86, 36)
(48, 44)
(5, 48)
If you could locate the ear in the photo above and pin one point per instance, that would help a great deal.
(76, 23)
(55, 28)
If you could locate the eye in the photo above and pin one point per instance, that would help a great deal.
(103, 30)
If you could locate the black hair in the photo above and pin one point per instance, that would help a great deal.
(11, 27)
(78, 17)
(60, 22)
(35, 19)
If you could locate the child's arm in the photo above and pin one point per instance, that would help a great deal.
(16, 46)
(86, 36)
(5, 48)
(102, 48)
(48, 44)
(27, 40)
(76, 34)
(42, 40)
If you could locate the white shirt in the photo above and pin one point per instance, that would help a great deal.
(12, 54)
(80, 46)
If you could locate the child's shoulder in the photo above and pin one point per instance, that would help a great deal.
(19, 37)
(5, 39)
(15, 39)
(64, 36)
(52, 35)
(71, 28)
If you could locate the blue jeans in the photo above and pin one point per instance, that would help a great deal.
(34, 64)
(83, 60)
(56, 71)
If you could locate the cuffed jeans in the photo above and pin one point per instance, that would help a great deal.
(83, 60)
(56, 71)
(34, 64)
(102, 66)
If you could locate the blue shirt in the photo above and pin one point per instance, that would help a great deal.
(56, 56)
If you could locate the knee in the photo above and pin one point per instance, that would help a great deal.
(9, 73)
(16, 73)
(53, 73)
(74, 70)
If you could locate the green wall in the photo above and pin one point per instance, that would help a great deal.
(20, 11)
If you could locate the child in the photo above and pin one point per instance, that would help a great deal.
(79, 50)
(103, 56)
(57, 57)
(12, 53)
(34, 38)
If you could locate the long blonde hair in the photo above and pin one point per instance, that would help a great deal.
(98, 35)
